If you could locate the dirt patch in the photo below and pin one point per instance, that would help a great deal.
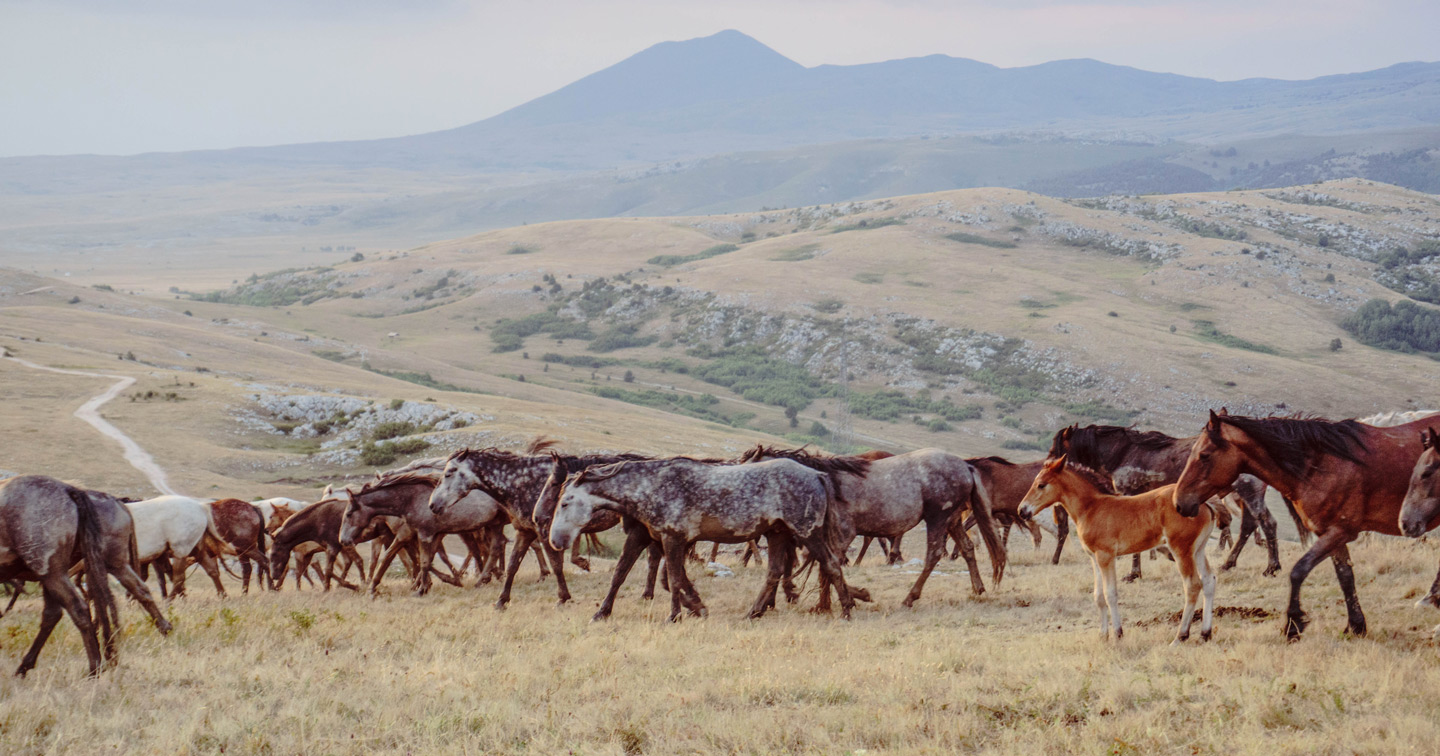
(1252, 613)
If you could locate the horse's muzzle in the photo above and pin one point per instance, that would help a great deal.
(1188, 505)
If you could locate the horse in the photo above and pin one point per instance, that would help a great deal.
(514, 481)
(276, 511)
(177, 527)
(1343, 478)
(1007, 482)
(1137, 461)
(681, 500)
(1111, 526)
(241, 528)
(407, 496)
(897, 493)
(46, 526)
(320, 523)
(1422, 501)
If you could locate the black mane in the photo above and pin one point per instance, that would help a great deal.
(1294, 441)
(1103, 447)
(830, 465)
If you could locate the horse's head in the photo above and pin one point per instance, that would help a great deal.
(1219, 456)
(456, 480)
(1422, 501)
(550, 494)
(356, 518)
(1046, 490)
(578, 501)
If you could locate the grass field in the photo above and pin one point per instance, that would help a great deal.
(1019, 670)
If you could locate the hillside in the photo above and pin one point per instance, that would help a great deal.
(979, 321)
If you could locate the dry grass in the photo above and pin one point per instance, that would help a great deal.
(1020, 670)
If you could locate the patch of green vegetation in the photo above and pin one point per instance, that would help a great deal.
(386, 452)
(422, 379)
(797, 254)
(1035, 304)
(1404, 327)
(892, 405)
(1018, 445)
(1094, 411)
(1405, 271)
(705, 254)
(964, 238)
(870, 278)
(702, 406)
(867, 224)
(1193, 306)
(1208, 229)
(1207, 331)
(333, 355)
(620, 337)
(668, 365)
(578, 360)
(519, 249)
(829, 305)
(509, 334)
(392, 429)
(751, 373)
(278, 289)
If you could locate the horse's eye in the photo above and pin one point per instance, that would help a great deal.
(1041, 487)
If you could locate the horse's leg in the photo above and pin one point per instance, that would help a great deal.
(864, 545)
(1247, 527)
(49, 617)
(207, 563)
(656, 556)
(329, 571)
(1135, 567)
(776, 570)
(1268, 526)
(967, 550)
(936, 528)
(137, 590)
(177, 577)
(1295, 619)
(557, 564)
(682, 592)
(1034, 528)
(831, 571)
(635, 542)
(1345, 574)
(1112, 594)
(752, 549)
(495, 556)
(1062, 529)
(1433, 597)
(426, 554)
(580, 562)
(1207, 584)
(714, 550)
(245, 574)
(792, 594)
(893, 555)
(380, 567)
(1185, 562)
(540, 557)
(1100, 599)
(524, 539)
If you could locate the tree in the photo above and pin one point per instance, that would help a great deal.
(1335, 345)
(629, 377)
(357, 257)
(793, 416)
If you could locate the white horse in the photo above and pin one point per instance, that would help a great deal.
(175, 527)
(1401, 417)
(277, 510)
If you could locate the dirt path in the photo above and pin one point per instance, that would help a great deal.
(90, 413)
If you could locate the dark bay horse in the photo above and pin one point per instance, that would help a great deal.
(319, 523)
(680, 501)
(1344, 478)
(1138, 461)
(46, 527)
(515, 482)
(1007, 482)
(1422, 501)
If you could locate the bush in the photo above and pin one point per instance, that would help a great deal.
(1405, 327)
(705, 254)
(751, 373)
(620, 337)
(392, 429)
(964, 238)
(396, 404)
(629, 376)
(819, 430)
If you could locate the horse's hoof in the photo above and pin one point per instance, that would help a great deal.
(1294, 626)
(648, 596)
(1355, 631)
(909, 602)
(1206, 634)
(164, 627)
(860, 594)
(1178, 641)
(500, 606)
(582, 563)
(818, 609)
(845, 615)
(1132, 577)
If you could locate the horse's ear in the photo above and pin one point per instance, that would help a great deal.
(1223, 411)
(329, 490)
(1429, 439)
(1212, 427)
(1057, 463)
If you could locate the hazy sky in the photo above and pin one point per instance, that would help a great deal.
(128, 76)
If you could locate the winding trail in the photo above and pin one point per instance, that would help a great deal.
(90, 413)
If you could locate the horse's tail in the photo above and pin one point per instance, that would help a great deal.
(1304, 532)
(980, 506)
(92, 550)
(833, 527)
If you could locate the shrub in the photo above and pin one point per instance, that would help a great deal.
(629, 376)
(396, 404)
(392, 429)
(705, 254)
(964, 238)
(829, 305)
(1405, 327)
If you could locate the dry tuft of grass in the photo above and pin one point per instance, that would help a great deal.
(1021, 669)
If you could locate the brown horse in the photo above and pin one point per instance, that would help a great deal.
(1110, 526)
(1344, 478)
(1422, 501)
(1138, 461)
(1007, 483)
(320, 522)
(241, 527)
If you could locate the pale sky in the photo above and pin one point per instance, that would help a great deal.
(129, 76)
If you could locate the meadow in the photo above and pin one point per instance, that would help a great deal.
(1020, 669)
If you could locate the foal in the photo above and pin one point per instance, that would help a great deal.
(1113, 526)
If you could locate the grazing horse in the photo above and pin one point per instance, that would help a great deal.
(46, 527)
(241, 528)
(1111, 526)
(318, 523)
(1007, 483)
(896, 493)
(177, 527)
(514, 481)
(1138, 461)
(1343, 478)
(682, 500)
(407, 495)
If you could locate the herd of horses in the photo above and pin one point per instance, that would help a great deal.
(1125, 491)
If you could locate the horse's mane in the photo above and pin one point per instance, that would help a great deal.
(830, 465)
(1101, 447)
(994, 460)
(540, 444)
(1293, 441)
(396, 479)
(576, 463)
(1098, 480)
(875, 454)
